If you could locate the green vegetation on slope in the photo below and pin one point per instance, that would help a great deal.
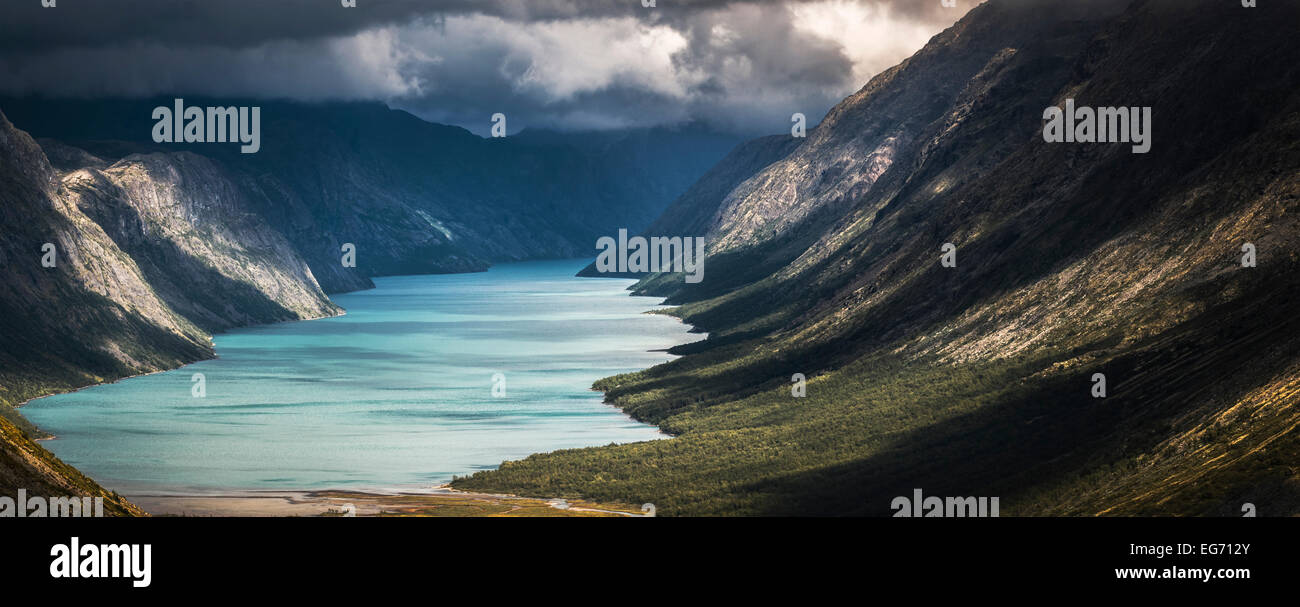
(25, 464)
(1073, 260)
(1025, 429)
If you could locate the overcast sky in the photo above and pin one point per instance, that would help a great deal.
(741, 66)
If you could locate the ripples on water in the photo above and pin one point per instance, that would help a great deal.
(394, 395)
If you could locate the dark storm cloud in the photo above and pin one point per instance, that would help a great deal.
(743, 66)
(27, 25)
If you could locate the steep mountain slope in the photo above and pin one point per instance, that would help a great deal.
(203, 251)
(1011, 54)
(692, 212)
(414, 197)
(1072, 259)
(147, 255)
(90, 317)
(26, 465)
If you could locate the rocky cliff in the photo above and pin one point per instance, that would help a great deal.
(120, 269)
(200, 245)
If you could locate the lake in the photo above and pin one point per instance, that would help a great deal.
(395, 395)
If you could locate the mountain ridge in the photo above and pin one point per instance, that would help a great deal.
(413, 196)
(1071, 260)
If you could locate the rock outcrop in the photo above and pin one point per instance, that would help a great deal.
(119, 269)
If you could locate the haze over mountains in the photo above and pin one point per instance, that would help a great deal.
(824, 261)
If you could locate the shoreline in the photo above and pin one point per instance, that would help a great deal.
(211, 342)
(438, 501)
(369, 501)
(19, 406)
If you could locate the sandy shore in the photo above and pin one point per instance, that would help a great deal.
(440, 501)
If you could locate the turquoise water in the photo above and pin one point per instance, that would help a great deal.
(396, 394)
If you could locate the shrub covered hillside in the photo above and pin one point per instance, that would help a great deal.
(1072, 260)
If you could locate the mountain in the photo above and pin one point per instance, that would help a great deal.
(120, 269)
(1071, 260)
(692, 213)
(196, 240)
(123, 268)
(155, 247)
(412, 196)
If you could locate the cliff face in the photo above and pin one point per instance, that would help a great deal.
(91, 316)
(192, 233)
(149, 254)
(1071, 260)
(694, 212)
